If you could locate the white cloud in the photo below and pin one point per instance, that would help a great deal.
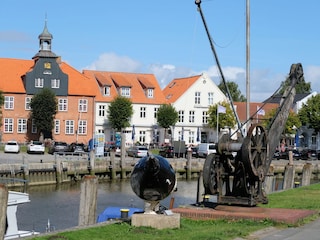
(113, 62)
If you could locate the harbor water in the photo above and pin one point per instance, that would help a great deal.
(59, 204)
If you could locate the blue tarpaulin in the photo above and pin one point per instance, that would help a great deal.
(115, 212)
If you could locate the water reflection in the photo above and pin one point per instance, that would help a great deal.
(60, 203)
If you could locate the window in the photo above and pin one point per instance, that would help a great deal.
(102, 110)
(181, 116)
(150, 93)
(142, 112)
(33, 127)
(191, 137)
(8, 125)
(106, 90)
(62, 104)
(22, 125)
(83, 105)
(210, 98)
(155, 112)
(197, 97)
(56, 126)
(205, 117)
(125, 91)
(27, 103)
(82, 127)
(191, 116)
(142, 136)
(55, 83)
(38, 82)
(69, 127)
(8, 102)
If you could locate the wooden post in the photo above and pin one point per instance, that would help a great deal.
(200, 188)
(25, 168)
(288, 180)
(88, 200)
(3, 210)
(113, 165)
(91, 163)
(269, 180)
(123, 155)
(58, 170)
(306, 174)
(189, 156)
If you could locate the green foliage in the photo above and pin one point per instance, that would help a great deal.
(293, 121)
(43, 109)
(167, 116)
(225, 119)
(301, 86)
(310, 113)
(234, 91)
(119, 112)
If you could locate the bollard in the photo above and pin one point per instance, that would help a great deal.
(206, 198)
(289, 174)
(306, 174)
(296, 184)
(124, 213)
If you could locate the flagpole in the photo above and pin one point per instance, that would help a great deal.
(217, 123)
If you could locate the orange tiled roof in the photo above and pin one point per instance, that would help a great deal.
(254, 106)
(138, 82)
(177, 87)
(11, 71)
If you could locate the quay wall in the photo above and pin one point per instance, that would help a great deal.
(67, 169)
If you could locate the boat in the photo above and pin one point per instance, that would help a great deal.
(14, 199)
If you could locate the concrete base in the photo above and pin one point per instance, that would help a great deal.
(158, 221)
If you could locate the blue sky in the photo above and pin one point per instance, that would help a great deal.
(167, 37)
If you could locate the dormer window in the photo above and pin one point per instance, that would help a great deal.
(125, 91)
(150, 92)
(106, 90)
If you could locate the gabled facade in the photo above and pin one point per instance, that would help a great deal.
(21, 79)
(146, 96)
(192, 97)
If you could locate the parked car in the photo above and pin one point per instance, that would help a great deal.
(167, 152)
(36, 147)
(12, 147)
(137, 151)
(77, 148)
(309, 154)
(206, 148)
(285, 155)
(58, 147)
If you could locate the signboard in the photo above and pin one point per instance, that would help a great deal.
(99, 144)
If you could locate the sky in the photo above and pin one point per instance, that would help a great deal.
(167, 38)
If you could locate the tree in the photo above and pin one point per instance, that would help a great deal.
(167, 116)
(301, 86)
(293, 122)
(225, 119)
(310, 113)
(234, 91)
(119, 112)
(43, 110)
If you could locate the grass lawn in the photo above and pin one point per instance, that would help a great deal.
(297, 198)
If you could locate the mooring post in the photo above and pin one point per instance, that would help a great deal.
(269, 179)
(200, 188)
(289, 172)
(112, 166)
(3, 210)
(189, 157)
(88, 200)
(25, 168)
(58, 170)
(306, 174)
(91, 162)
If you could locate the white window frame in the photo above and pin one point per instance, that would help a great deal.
(106, 90)
(181, 116)
(8, 102)
(155, 112)
(27, 103)
(204, 117)
(191, 136)
(101, 110)
(38, 82)
(125, 91)
(210, 98)
(197, 96)
(83, 105)
(62, 104)
(55, 83)
(191, 116)
(8, 125)
(142, 136)
(143, 112)
(150, 92)
(57, 126)
(21, 125)
(82, 127)
(69, 128)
